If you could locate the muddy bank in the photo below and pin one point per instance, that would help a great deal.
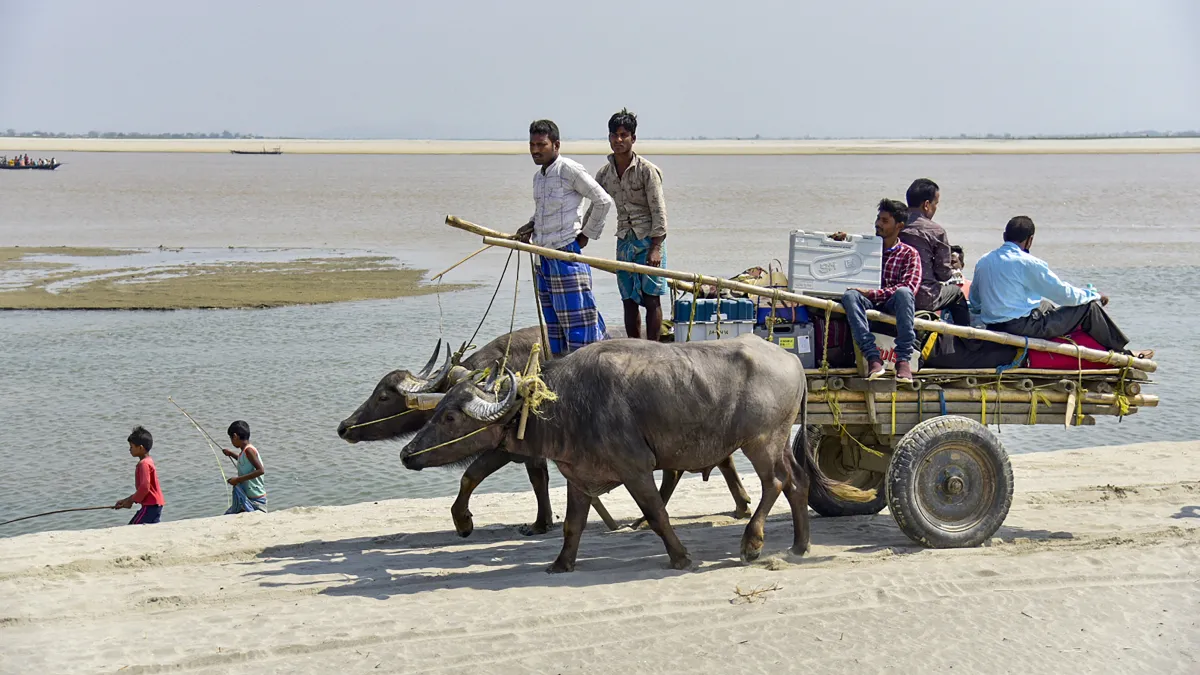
(165, 279)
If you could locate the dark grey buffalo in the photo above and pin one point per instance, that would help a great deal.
(386, 415)
(628, 407)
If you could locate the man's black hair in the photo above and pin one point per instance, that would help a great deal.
(140, 436)
(544, 128)
(1019, 229)
(896, 208)
(623, 120)
(241, 429)
(922, 190)
(959, 250)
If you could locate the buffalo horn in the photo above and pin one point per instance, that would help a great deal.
(486, 411)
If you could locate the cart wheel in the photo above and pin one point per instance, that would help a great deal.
(829, 457)
(949, 484)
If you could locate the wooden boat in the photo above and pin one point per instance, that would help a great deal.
(43, 167)
(264, 151)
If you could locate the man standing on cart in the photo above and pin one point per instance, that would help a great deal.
(564, 288)
(635, 184)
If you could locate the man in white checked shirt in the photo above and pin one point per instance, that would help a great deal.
(564, 288)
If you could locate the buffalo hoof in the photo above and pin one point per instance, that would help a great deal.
(742, 512)
(560, 566)
(463, 524)
(799, 550)
(536, 528)
(750, 552)
(682, 563)
(640, 524)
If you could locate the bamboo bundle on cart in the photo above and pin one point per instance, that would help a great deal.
(496, 238)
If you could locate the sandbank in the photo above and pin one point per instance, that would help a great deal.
(46, 146)
(162, 279)
(1097, 569)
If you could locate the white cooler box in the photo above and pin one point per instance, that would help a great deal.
(818, 265)
(887, 352)
(708, 330)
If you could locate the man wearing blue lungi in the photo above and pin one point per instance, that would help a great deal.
(564, 288)
(635, 184)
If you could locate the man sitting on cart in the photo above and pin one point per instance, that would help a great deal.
(896, 294)
(1015, 292)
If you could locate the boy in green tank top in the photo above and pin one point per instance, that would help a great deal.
(249, 492)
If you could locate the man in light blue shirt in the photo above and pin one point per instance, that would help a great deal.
(1015, 292)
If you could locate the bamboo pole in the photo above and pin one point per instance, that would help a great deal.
(495, 238)
(959, 395)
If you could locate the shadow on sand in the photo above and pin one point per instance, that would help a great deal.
(499, 557)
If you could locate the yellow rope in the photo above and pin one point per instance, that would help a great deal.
(532, 387)
(450, 442)
(391, 417)
(892, 432)
(837, 421)
(695, 300)
(1035, 397)
(983, 407)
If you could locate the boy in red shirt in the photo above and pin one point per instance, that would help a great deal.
(145, 481)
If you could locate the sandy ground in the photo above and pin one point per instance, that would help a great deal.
(51, 278)
(1082, 578)
(44, 146)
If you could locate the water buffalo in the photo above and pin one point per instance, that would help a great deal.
(627, 407)
(386, 415)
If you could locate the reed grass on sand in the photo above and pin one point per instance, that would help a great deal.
(225, 285)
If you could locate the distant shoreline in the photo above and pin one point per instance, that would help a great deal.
(1086, 146)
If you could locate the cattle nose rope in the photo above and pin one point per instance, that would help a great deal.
(384, 419)
(449, 442)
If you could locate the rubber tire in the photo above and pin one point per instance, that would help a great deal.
(904, 473)
(836, 508)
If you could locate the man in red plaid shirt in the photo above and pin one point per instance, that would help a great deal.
(895, 296)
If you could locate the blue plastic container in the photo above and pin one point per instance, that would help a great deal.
(782, 315)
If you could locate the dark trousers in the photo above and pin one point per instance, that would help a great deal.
(1048, 322)
(146, 515)
(900, 305)
(949, 297)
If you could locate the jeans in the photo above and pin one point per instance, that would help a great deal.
(901, 305)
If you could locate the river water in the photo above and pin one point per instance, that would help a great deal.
(72, 384)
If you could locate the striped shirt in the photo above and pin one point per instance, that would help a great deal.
(901, 268)
(558, 193)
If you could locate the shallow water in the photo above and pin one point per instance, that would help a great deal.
(72, 384)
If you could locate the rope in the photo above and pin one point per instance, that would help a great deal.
(450, 442)
(532, 387)
(695, 300)
(942, 400)
(211, 443)
(512, 321)
(1035, 397)
(449, 269)
(385, 419)
(50, 513)
(825, 342)
(983, 411)
(537, 304)
(836, 409)
(892, 432)
(489, 305)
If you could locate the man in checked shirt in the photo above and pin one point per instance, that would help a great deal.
(895, 296)
(564, 288)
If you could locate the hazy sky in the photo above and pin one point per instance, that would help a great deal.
(485, 68)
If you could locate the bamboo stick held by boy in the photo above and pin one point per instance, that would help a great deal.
(249, 491)
(145, 479)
